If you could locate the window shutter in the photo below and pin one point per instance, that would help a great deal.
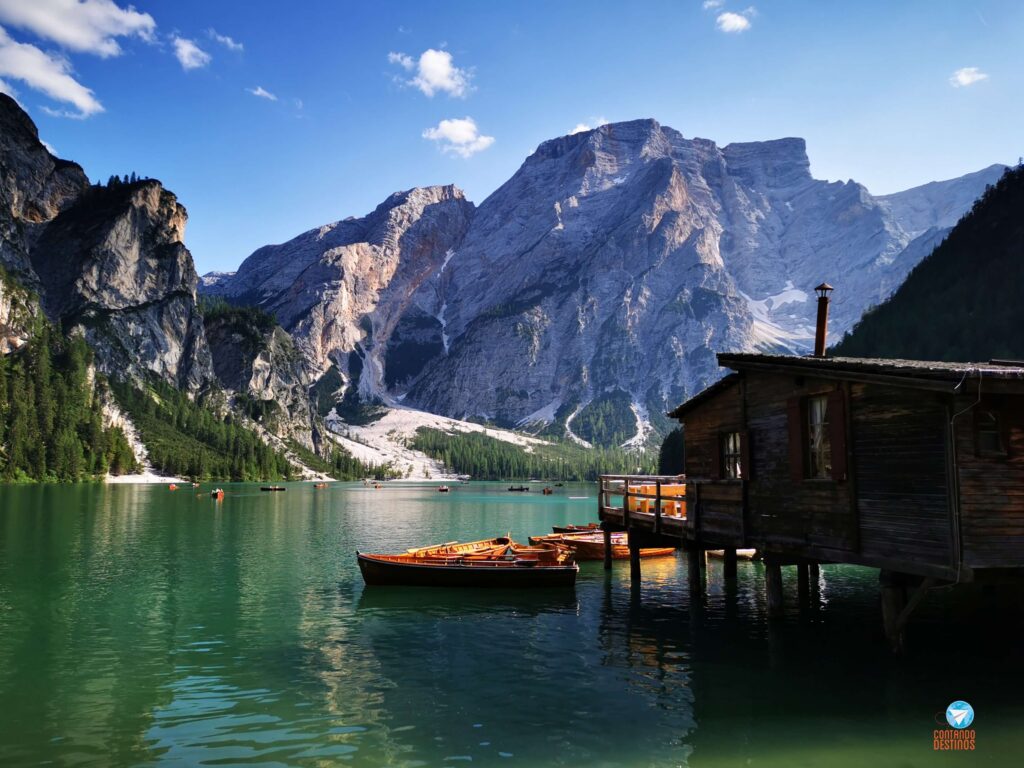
(746, 466)
(796, 439)
(837, 432)
(716, 459)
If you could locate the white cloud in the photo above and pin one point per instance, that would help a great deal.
(460, 137)
(710, 5)
(47, 73)
(403, 60)
(595, 122)
(260, 91)
(967, 76)
(435, 72)
(89, 26)
(228, 42)
(190, 55)
(733, 22)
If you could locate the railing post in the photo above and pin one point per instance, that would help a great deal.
(657, 506)
(625, 502)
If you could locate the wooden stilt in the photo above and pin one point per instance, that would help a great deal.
(894, 598)
(803, 584)
(773, 588)
(607, 550)
(730, 564)
(693, 557)
(634, 561)
(814, 573)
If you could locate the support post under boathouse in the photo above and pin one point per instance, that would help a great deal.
(915, 468)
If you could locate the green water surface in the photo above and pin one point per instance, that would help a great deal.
(141, 627)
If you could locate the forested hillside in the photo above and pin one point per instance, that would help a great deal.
(187, 439)
(963, 301)
(486, 458)
(51, 416)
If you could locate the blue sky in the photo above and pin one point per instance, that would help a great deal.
(889, 94)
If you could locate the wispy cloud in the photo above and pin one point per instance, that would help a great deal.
(228, 42)
(190, 55)
(403, 60)
(87, 26)
(435, 72)
(48, 73)
(459, 136)
(710, 5)
(594, 122)
(967, 76)
(262, 92)
(734, 22)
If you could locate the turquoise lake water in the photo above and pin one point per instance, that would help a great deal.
(144, 627)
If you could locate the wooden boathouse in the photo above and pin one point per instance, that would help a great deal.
(915, 468)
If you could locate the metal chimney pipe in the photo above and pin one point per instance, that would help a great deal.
(821, 331)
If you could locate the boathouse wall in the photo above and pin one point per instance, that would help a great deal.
(888, 498)
(991, 482)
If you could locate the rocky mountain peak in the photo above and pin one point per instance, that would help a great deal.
(781, 163)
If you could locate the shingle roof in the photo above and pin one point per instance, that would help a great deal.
(705, 394)
(919, 369)
(926, 374)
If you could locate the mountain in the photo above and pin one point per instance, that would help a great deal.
(108, 261)
(962, 302)
(593, 289)
(341, 289)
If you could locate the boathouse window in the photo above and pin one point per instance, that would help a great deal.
(817, 437)
(989, 433)
(732, 456)
(819, 446)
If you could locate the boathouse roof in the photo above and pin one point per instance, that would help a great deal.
(918, 374)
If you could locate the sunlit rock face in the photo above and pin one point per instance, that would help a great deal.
(109, 262)
(623, 258)
(342, 288)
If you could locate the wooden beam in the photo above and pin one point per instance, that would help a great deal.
(634, 561)
(773, 588)
(607, 549)
(729, 571)
(803, 583)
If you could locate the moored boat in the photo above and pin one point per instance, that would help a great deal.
(571, 528)
(519, 488)
(590, 546)
(498, 562)
(443, 489)
(320, 485)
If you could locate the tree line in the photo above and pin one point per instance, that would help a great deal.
(186, 439)
(51, 414)
(486, 458)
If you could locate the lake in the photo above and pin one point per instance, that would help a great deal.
(140, 626)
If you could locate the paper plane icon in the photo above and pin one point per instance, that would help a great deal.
(959, 715)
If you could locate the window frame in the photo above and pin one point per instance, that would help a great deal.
(732, 455)
(1002, 451)
(811, 470)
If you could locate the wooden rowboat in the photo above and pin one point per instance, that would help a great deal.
(496, 562)
(590, 546)
(588, 528)
(273, 488)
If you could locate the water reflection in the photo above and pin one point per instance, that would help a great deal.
(141, 627)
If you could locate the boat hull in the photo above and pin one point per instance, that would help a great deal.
(377, 571)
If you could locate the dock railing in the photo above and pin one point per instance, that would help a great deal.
(659, 499)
